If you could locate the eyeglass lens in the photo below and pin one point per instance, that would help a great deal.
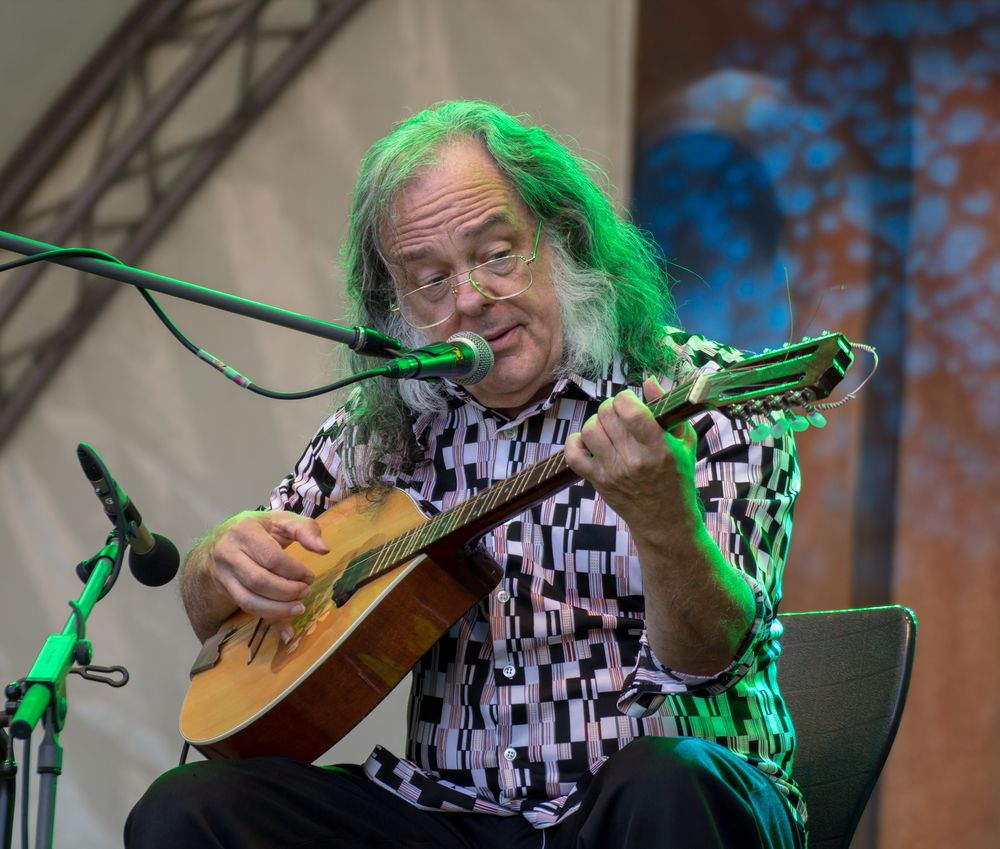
(498, 279)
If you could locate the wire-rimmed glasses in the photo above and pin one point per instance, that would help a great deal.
(498, 279)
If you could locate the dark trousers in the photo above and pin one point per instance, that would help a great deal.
(656, 792)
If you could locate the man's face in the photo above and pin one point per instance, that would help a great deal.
(454, 215)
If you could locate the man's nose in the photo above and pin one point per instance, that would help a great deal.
(468, 299)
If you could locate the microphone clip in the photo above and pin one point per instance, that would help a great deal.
(85, 568)
(113, 676)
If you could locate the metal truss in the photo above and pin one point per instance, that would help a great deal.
(123, 149)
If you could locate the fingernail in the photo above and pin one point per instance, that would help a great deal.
(286, 635)
(298, 609)
(305, 592)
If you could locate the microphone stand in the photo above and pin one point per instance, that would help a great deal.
(365, 340)
(43, 698)
(8, 787)
(43, 695)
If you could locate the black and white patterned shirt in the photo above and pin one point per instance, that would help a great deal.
(537, 685)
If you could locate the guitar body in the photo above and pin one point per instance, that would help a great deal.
(259, 697)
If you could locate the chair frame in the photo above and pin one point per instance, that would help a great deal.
(844, 675)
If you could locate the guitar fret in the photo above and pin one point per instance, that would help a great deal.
(520, 482)
(372, 566)
(462, 513)
(387, 554)
(425, 535)
(368, 566)
(451, 519)
(493, 495)
(396, 550)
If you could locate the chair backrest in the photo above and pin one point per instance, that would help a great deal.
(844, 675)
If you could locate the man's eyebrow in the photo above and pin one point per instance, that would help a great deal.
(466, 233)
(475, 230)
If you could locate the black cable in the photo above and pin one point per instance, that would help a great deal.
(227, 371)
(81, 628)
(59, 252)
(25, 789)
(8, 780)
(241, 380)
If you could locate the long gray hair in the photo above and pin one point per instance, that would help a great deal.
(608, 277)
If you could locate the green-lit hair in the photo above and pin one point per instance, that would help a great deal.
(608, 276)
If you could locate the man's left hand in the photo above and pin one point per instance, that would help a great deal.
(644, 474)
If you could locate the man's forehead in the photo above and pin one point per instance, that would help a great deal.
(458, 171)
(493, 223)
(462, 191)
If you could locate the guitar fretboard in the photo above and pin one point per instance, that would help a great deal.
(489, 508)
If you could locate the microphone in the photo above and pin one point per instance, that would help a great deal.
(464, 358)
(152, 558)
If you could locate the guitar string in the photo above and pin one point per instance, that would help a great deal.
(410, 543)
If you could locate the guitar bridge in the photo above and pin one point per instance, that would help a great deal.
(211, 650)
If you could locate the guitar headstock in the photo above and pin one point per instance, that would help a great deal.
(769, 386)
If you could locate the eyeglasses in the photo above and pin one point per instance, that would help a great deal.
(498, 279)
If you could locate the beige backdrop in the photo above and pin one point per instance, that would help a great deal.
(192, 448)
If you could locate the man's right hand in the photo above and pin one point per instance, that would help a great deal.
(243, 564)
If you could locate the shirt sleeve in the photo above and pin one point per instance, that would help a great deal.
(747, 490)
(318, 480)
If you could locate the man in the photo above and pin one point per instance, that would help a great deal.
(618, 687)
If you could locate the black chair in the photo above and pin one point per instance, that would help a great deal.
(844, 675)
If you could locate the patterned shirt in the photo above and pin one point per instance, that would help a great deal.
(536, 686)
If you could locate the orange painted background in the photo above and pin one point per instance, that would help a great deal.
(836, 164)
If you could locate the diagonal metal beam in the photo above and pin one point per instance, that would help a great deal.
(54, 133)
(211, 31)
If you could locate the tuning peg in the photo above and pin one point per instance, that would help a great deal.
(815, 417)
(796, 422)
(760, 431)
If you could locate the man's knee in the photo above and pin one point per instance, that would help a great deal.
(659, 759)
(695, 791)
(177, 800)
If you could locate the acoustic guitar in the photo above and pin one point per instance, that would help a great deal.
(395, 581)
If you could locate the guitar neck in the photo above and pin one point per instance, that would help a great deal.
(460, 526)
(521, 491)
(773, 381)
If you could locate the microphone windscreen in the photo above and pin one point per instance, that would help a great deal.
(158, 565)
(86, 455)
(482, 360)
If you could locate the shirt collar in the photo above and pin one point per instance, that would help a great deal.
(572, 385)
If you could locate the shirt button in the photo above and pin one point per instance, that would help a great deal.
(509, 754)
(503, 596)
(509, 670)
